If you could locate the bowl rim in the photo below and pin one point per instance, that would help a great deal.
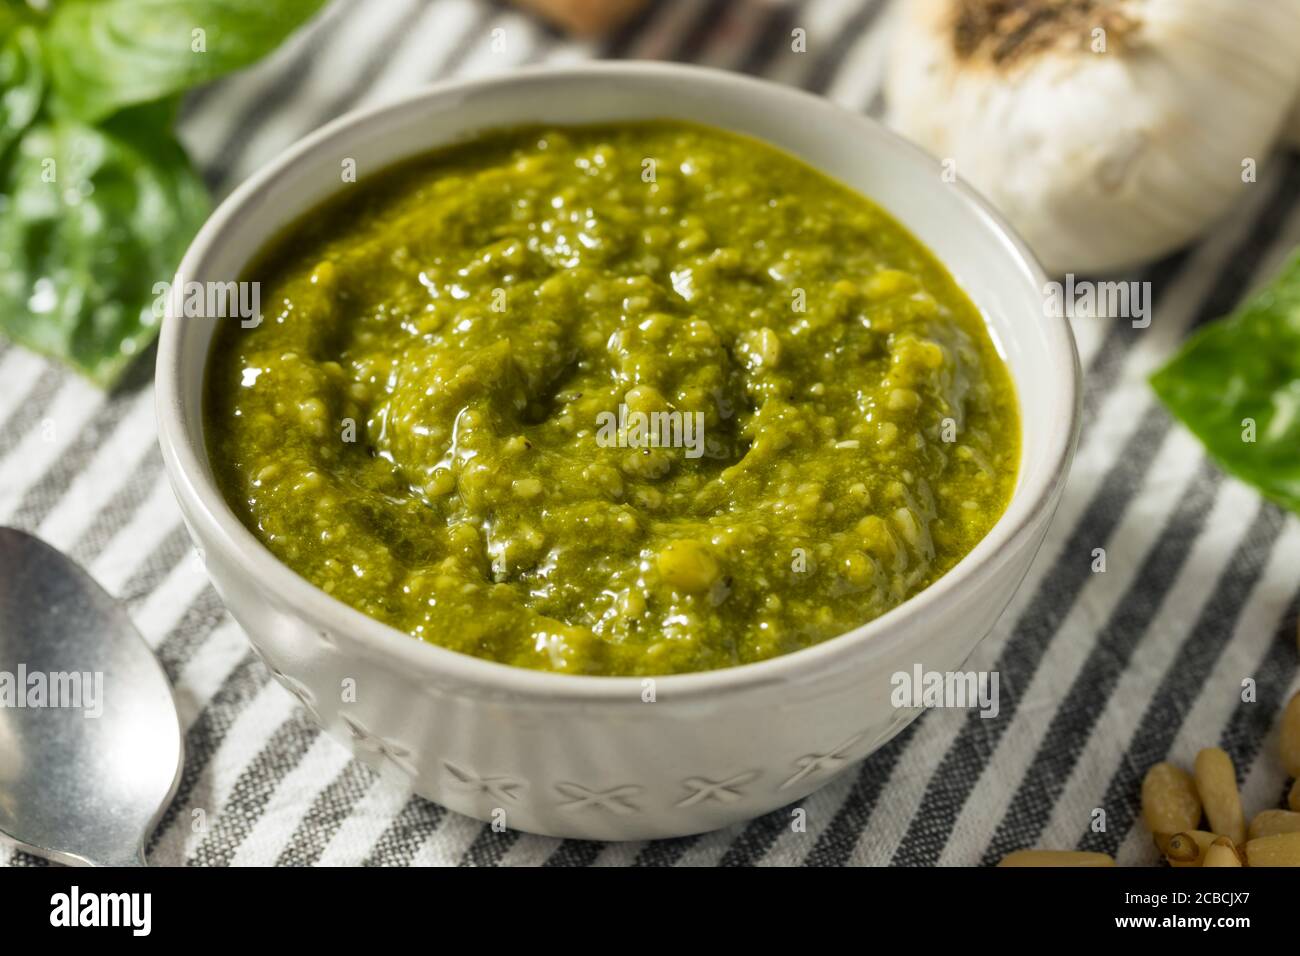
(348, 626)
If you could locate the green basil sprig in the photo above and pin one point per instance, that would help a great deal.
(97, 198)
(107, 54)
(1236, 385)
(22, 78)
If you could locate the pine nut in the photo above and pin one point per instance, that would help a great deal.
(1272, 822)
(1056, 858)
(1221, 853)
(1169, 800)
(1282, 849)
(1290, 740)
(1186, 849)
(1216, 782)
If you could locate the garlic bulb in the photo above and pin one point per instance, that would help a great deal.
(1108, 132)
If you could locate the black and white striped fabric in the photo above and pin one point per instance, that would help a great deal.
(1101, 674)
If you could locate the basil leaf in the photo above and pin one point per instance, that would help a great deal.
(108, 54)
(22, 79)
(90, 218)
(1242, 370)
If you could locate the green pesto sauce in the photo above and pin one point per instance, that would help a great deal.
(421, 424)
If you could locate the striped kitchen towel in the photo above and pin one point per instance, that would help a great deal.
(1101, 674)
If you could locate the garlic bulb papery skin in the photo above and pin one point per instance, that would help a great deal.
(1101, 160)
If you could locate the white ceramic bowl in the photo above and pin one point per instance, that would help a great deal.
(588, 756)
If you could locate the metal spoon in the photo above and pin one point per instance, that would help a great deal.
(85, 781)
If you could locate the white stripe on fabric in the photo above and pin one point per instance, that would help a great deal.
(519, 35)
(323, 762)
(200, 681)
(156, 517)
(75, 404)
(19, 370)
(1144, 519)
(271, 707)
(618, 854)
(530, 851)
(1253, 635)
(334, 70)
(163, 608)
(110, 466)
(1251, 639)
(448, 844)
(1108, 743)
(432, 40)
(369, 819)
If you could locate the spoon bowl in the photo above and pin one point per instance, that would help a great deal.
(90, 741)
